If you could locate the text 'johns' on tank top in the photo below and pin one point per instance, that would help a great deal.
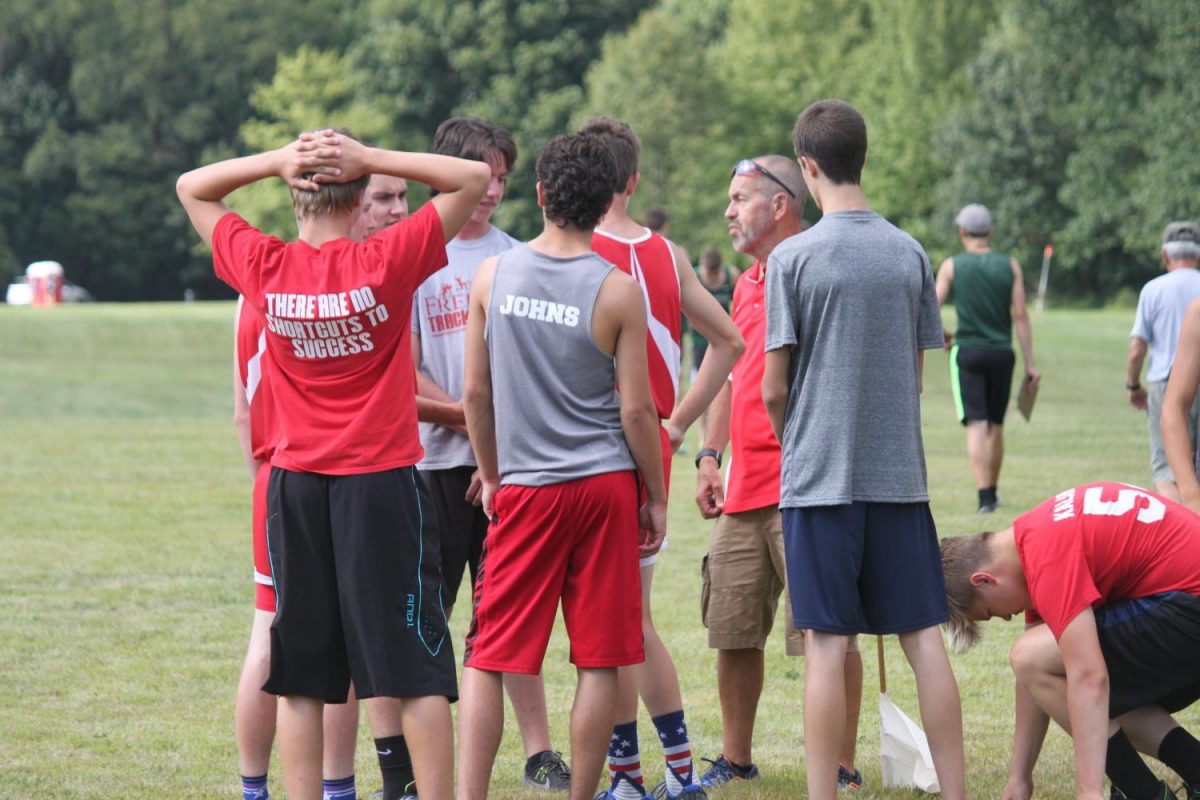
(558, 416)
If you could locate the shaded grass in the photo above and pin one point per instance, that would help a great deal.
(125, 596)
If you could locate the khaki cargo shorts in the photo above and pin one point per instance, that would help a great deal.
(742, 577)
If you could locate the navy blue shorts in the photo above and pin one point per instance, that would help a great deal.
(1151, 646)
(864, 568)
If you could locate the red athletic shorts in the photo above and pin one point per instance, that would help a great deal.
(574, 541)
(264, 584)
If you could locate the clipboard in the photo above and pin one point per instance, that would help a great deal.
(1026, 396)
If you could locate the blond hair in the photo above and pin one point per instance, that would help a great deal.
(330, 198)
(962, 556)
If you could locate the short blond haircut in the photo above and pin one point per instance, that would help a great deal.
(962, 556)
(331, 198)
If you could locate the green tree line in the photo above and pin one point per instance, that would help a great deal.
(1076, 121)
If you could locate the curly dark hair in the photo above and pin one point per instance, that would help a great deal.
(576, 173)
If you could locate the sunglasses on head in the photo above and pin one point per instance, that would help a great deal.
(748, 166)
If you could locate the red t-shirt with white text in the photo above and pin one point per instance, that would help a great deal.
(337, 320)
(753, 479)
(1102, 542)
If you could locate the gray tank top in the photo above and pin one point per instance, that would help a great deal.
(558, 416)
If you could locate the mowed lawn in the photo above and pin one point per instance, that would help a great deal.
(125, 562)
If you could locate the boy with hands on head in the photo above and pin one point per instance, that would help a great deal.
(346, 528)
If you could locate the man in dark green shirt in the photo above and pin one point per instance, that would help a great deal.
(989, 298)
(719, 280)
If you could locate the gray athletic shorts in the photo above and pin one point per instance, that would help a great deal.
(1155, 391)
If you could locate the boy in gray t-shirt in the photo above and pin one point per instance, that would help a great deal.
(851, 305)
(854, 298)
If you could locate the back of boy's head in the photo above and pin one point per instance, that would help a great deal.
(656, 218)
(475, 139)
(711, 258)
(627, 149)
(963, 556)
(575, 171)
(834, 134)
(330, 198)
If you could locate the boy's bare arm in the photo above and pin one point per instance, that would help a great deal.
(441, 413)
(477, 386)
(1181, 393)
(775, 387)
(705, 314)
(638, 415)
(620, 308)
(1087, 701)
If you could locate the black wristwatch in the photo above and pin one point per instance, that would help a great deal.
(705, 453)
(1133, 387)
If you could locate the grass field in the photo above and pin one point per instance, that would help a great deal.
(125, 590)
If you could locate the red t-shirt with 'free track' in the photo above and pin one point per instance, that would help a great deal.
(754, 453)
(337, 320)
(1102, 542)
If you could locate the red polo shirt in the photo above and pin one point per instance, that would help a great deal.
(753, 478)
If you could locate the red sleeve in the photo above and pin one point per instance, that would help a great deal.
(240, 252)
(249, 329)
(1056, 568)
(414, 248)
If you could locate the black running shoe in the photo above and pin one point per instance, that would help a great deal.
(547, 770)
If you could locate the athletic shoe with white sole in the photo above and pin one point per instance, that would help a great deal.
(688, 791)
(410, 793)
(692, 791)
(723, 771)
(547, 770)
(608, 793)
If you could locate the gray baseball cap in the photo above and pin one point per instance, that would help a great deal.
(975, 219)
(1182, 231)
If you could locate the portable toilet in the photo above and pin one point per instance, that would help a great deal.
(45, 283)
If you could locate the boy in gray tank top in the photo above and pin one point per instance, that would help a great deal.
(439, 335)
(551, 330)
